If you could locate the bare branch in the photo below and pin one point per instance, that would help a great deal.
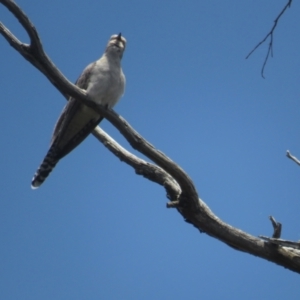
(284, 243)
(271, 35)
(146, 169)
(144, 147)
(277, 228)
(34, 52)
(25, 22)
(179, 186)
(295, 159)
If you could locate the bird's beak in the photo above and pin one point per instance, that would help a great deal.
(119, 36)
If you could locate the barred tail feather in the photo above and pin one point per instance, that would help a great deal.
(44, 170)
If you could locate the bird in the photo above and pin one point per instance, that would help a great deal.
(104, 82)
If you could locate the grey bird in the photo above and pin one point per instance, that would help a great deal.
(104, 82)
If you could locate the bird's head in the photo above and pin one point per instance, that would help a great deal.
(116, 45)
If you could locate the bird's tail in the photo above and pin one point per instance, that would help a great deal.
(45, 168)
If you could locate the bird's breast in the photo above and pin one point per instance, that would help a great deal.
(106, 85)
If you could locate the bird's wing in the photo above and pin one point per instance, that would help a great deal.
(76, 121)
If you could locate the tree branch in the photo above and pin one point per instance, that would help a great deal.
(277, 228)
(294, 158)
(271, 35)
(180, 188)
(146, 169)
(284, 243)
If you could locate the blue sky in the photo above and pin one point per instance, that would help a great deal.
(96, 230)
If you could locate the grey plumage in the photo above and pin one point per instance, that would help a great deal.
(104, 82)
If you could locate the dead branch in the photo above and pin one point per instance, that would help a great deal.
(179, 186)
(290, 246)
(277, 228)
(146, 169)
(294, 158)
(271, 35)
(283, 243)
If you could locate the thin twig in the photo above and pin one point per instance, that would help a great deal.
(294, 158)
(271, 35)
